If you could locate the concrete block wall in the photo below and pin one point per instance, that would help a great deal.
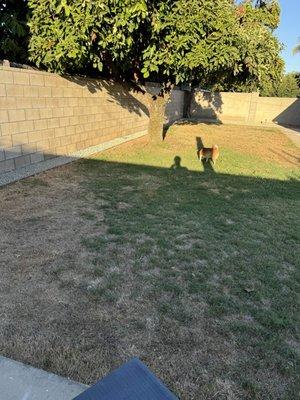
(225, 107)
(175, 107)
(44, 115)
(279, 110)
(247, 108)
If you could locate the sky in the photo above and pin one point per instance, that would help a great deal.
(289, 33)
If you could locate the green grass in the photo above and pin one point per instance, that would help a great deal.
(194, 270)
(211, 254)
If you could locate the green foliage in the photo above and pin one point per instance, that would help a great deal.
(287, 87)
(193, 39)
(259, 64)
(163, 40)
(84, 35)
(296, 49)
(268, 11)
(173, 42)
(13, 30)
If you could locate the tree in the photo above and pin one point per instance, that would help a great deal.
(13, 30)
(167, 41)
(260, 65)
(296, 49)
(287, 87)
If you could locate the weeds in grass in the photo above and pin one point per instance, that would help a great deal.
(192, 269)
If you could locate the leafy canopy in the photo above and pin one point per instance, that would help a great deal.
(289, 86)
(169, 41)
(297, 48)
(13, 30)
(259, 64)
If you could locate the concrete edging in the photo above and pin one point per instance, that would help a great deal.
(33, 169)
(23, 382)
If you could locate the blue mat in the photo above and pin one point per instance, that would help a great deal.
(132, 381)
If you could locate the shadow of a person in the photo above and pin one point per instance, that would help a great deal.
(177, 165)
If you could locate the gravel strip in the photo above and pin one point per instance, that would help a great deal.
(42, 166)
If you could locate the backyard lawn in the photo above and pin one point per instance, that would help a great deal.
(188, 266)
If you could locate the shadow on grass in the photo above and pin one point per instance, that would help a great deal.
(197, 121)
(167, 280)
(207, 166)
(206, 163)
(287, 157)
(177, 165)
(192, 180)
(190, 121)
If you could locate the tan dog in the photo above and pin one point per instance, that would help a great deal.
(207, 153)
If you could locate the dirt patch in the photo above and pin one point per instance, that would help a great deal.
(43, 263)
(120, 256)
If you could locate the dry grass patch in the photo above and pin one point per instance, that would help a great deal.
(193, 270)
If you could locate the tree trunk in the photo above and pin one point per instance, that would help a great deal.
(188, 103)
(157, 107)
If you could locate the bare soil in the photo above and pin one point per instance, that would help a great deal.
(193, 271)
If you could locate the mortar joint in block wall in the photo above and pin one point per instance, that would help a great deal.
(44, 113)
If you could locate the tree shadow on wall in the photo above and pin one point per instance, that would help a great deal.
(129, 96)
(205, 105)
